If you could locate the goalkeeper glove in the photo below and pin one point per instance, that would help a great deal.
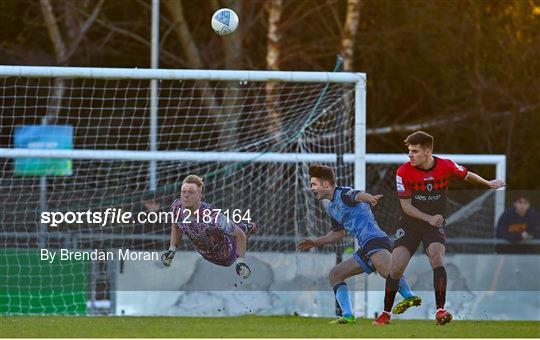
(242, 269)
(166, 258)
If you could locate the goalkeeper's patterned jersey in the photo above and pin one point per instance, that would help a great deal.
(211, 233)
(352, 216)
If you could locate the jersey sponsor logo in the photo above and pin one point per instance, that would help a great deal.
(400, 233)
(427, 198)
(399, 184)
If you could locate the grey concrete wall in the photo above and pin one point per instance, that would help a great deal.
(498, 287)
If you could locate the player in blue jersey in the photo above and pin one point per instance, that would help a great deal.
(351, 212)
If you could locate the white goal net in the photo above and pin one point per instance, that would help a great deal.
(92, 141)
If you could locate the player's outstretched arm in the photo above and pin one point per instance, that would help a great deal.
(242, 269)
(409, 209)
(241, 241)
(493, 184)
(368, 198)
(309, 243)
(176, 237)
(248, 228)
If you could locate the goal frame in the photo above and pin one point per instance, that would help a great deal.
(359, 158)
(358, 79)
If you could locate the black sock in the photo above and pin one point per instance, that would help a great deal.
(439, 283)
(390, 293)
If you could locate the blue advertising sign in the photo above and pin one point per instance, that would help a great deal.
(43, 137)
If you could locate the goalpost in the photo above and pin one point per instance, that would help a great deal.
(79, 139)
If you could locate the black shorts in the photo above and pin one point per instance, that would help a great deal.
(363, 255)
(410, 236)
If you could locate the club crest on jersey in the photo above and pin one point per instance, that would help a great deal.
(400, 233)
(441, 230)
(429, 186)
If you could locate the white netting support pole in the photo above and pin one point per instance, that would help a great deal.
(500, 173)
(154, 94)
(153, 132)
(360, 159)
(254, 157)
(360, 134)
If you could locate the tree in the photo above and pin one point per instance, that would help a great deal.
(75, 31)
(274, 9)
(350, 28)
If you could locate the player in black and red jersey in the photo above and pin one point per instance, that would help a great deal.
(421, 185)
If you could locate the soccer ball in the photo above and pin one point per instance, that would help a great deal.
(224, 21)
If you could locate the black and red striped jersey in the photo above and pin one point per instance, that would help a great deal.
(427, 189)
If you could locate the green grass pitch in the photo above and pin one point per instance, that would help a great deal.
(254, 327)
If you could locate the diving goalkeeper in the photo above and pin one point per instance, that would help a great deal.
(213, 234)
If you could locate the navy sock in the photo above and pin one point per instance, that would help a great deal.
(390, 293)
(439, 283)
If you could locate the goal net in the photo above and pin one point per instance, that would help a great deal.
(96, 141)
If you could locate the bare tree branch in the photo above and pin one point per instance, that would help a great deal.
(229, 118)
(441, 122)
(349, 33)
(84, 28)
(54, 101)
(168, 56)
(275, 9)
(54, 32)
(185, 37)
